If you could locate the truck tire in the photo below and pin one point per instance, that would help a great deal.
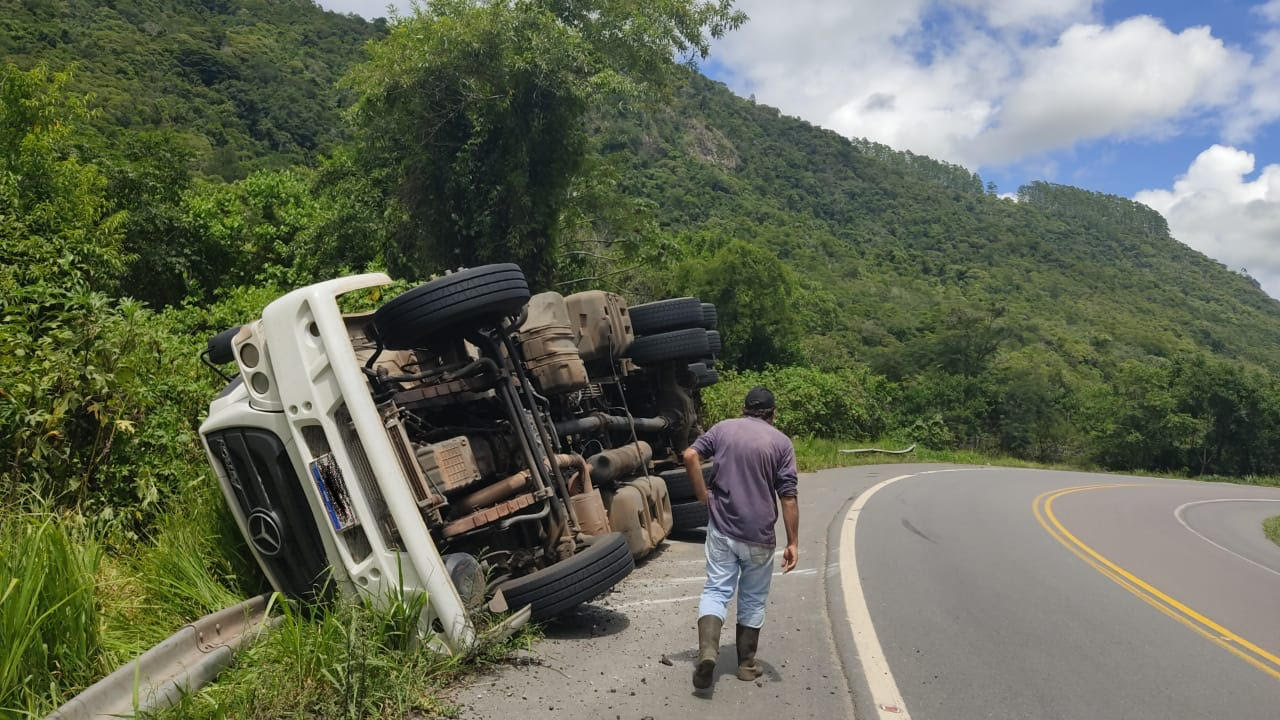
(688, 344)
(443, 308)
(663, 315)
(710, 318)
(678, 485)
(573, 581)
(707, 379)
(688, 516)
(713, 340)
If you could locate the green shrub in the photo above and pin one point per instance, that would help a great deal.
(846, 403)
(49, 639)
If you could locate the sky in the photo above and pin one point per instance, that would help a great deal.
(1173, 104)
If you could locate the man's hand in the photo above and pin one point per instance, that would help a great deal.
(790, 557)
(693, 468)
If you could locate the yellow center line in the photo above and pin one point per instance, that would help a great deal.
(1042, 507)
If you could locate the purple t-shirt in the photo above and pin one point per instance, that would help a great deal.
(755, 464)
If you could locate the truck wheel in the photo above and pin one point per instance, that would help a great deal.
(573, 581)
(687, 344)
(707, 379)
(713, 340)
(663, 315)
(678, 485)
(710, 318)
(440, 309)
(688, 515)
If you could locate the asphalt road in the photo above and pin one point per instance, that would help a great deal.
(986, 593)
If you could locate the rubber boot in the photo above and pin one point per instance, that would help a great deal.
(748, 640)
(708, 648)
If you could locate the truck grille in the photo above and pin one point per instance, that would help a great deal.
(267, 487)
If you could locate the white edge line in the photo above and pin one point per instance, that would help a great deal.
(703, 578)
(884, 689)
(875, 668)
(1177, 513)
(658, 601)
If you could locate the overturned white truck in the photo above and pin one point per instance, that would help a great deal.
(465, 439)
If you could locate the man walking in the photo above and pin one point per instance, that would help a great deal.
(755, 470)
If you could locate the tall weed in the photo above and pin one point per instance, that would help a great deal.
(49, 627)
(195, 564)
(349, 660)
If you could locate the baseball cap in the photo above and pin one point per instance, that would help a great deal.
(759, 398)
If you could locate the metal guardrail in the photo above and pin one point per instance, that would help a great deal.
(184, 663)
(878, 450)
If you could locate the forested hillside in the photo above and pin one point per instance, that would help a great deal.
(893, 240)
(246, 84)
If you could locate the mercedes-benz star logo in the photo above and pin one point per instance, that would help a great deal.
(264, 532)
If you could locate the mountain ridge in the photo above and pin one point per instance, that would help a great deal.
(933, 225)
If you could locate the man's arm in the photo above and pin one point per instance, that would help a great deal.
(693, 468)
(785, 485)
(791, 519)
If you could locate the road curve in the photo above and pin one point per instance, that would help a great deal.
(992, 593)
(1014, 593)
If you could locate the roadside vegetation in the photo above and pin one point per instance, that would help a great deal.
(167, 168)
(354, 661)
(1271, 526)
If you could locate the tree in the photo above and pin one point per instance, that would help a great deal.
(147, 182)
(55, 222)
(476, 110)
(756, 296)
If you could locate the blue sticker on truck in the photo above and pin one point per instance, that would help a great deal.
(333, 492)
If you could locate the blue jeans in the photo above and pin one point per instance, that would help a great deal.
(732, 563)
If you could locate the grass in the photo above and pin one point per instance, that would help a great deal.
(50, 641)
(350, 661)
(1271, 526)
(814, 454)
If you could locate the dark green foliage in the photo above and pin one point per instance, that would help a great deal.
(1197, 414)
(249, 84)
(757, 297)
(475, 111)
(147, 181)
(55, 221)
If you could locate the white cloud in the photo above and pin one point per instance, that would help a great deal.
(1270, 10)
(1136, 77)
(983, 82)
(1029, 13)
(1261, 103)
(1215, 209)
